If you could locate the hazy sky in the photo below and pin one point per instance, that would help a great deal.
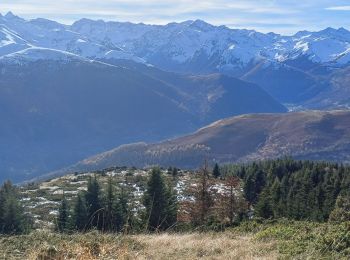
(281, 16)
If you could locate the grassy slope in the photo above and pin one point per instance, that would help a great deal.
(280, 240)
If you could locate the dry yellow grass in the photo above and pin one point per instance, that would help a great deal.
(227, 245)
(204, 246)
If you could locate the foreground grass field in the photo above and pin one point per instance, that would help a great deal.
(164, 246)
(251, 240)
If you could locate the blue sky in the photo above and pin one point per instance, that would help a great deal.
(281, 16)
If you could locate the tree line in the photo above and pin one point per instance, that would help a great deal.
(112, 211)
(217, 198)
(299, 190)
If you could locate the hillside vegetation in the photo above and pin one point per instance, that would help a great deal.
(270, 209)
(274, 240)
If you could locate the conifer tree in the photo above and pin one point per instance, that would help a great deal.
(276, 197)
(249, 189)
(158, 202)
(264, 208)
(63, 215)
(122, 216)
(12, 217)
(93, 203)
(216, 171)
(110, 213)
(80, 214)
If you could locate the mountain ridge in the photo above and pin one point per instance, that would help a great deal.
(314, 135)
(293, 69)
(98, 35)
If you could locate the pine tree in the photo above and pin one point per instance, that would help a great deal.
(63, 215)
(94, 205)
(216, 171)
(80, 214)
(122, 216)
(249, 189)
(158, 202)
(264, 208)
(276, 197)
(12, 217)
(110, 213)
(172, 205)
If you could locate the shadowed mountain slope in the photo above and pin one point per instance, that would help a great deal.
(56, 112)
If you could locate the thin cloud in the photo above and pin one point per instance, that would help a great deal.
(280, 16)
(339, 8)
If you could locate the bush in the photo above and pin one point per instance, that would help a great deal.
(334, 239)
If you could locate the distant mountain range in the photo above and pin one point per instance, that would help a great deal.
(190, 43)
(70, 91)
(293, 69)
(312, 135)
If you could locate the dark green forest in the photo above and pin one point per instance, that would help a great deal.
(298, 190)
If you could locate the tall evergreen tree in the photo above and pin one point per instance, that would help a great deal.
(264, 208)
(12, 217)
(122, 216)
(110, 213)
(80, 214)
(249, 189)
(158, 202)
(216, 171)
(63, 215)
(94, 204)
(13, 220)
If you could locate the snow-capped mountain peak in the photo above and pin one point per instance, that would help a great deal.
(190, 44)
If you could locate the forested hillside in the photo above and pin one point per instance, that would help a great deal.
(300, 190)
(292, 203)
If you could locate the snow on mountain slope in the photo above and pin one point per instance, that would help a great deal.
(45, 34)
(10, 41)
(39, 54)
(188, 41)
(190, 45)
(324, 46)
